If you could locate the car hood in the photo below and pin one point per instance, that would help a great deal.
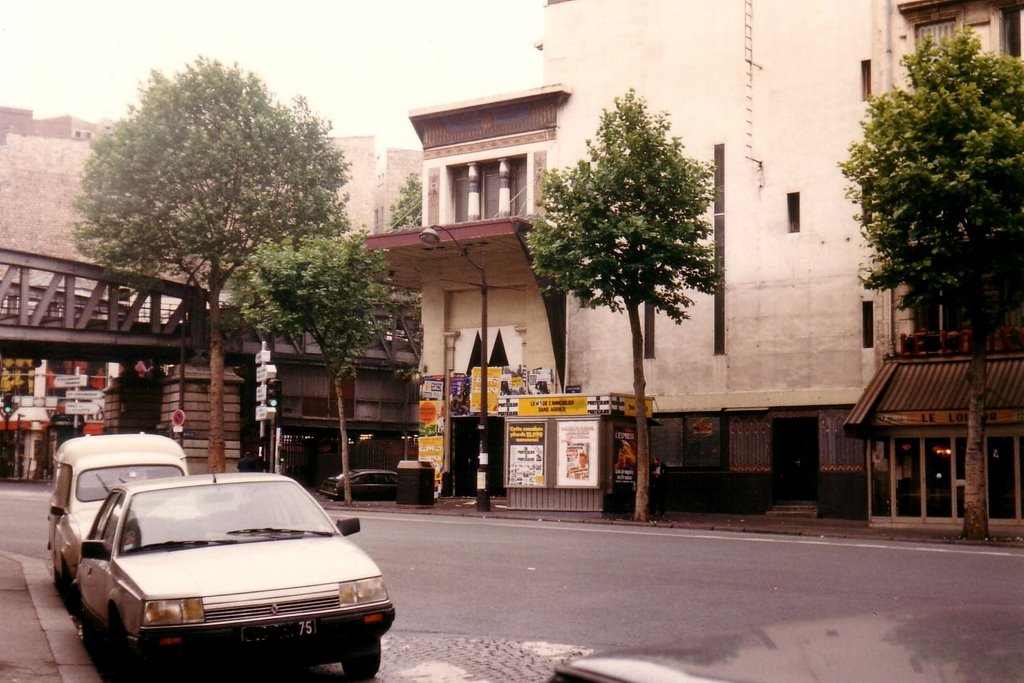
(247, 566)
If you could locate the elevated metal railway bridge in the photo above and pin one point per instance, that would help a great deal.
(53, 308)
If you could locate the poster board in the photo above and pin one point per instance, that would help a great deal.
(578, 453)
(526, 457)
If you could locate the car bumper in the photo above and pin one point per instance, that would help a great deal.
(337, 636)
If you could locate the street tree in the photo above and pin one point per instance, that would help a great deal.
(939, 178)
(407, 210)
(206, 168)
(327, 287)
(628, 227)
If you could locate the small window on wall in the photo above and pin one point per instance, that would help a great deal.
(793, 207)
(1011, 32)
(867, 313)
(865, 80)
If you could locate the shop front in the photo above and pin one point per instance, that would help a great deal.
(570, 452)
(913, 418)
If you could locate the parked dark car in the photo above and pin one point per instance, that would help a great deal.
(366, 485)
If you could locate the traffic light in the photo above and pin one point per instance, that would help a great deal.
(273, 393)
(8, 405)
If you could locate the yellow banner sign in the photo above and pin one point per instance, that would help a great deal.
(553, 405)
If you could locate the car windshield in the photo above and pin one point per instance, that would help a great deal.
(94, 484)
(221, 513)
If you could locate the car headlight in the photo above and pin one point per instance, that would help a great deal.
(364, 590)
(172, 612)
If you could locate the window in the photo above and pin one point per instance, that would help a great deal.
(793, 204)
(867, 314)
(1011, 32)
(938, 31)
(485, 178)
(719, 227)
(865, 79)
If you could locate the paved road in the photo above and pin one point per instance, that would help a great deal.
(505, 598)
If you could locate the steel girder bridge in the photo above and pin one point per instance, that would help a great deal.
(53, 308)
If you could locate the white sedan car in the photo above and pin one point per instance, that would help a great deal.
(233, 567)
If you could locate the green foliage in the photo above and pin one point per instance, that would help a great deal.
(407, 211)
(939, 177)
(629, 225)
(328, 287)
(206, 168)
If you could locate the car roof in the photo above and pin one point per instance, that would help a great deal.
(118, 449)
(201, 480)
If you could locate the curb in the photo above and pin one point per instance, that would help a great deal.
(72, 659)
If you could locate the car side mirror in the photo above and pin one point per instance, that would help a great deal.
(348, 526)
(94, 550)
(57, 511)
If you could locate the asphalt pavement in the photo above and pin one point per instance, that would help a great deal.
(39, 642)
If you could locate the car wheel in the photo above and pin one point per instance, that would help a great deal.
(362, 667)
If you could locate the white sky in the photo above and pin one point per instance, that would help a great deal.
(361, 64)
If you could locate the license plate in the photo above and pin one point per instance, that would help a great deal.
(274, 632)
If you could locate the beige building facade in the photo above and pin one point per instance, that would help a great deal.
(751, 395)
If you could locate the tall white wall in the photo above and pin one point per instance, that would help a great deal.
(786, 118)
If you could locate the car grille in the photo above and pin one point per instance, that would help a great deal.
(254, 606)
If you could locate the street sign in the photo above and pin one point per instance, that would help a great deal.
(261, 393)
(265, 372)
(82, 408)
(64, 381)
(84, 394)
(178, 418)
(265, 413)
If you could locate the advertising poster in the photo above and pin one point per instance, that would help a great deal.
(577, 453)
(432, 451)
(625, 457)
(493, 390)
(458, 396)
(526, 453)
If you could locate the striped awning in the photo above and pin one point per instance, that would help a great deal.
(904, 386)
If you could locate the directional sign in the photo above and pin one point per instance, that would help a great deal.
(265, 372)
(82, 408)
(84, 394)
(64, 381)
(264, 413)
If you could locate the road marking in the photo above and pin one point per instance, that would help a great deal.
(686, 534)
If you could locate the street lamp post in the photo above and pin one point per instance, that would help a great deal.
(430, 237)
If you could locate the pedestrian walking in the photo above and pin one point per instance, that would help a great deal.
(657, 489)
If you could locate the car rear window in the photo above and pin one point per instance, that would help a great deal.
(94, 484)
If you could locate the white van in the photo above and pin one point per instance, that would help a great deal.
(85, 468)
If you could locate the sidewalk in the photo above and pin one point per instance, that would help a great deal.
(38, 640)
(762, 524)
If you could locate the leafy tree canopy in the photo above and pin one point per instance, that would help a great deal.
(939, 176)
(203, 170)
(629, 225)
(328, 287)
(407, 211)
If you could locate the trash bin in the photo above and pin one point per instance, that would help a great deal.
(415, 483)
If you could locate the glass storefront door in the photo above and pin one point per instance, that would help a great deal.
(1000, 477)
(908, 477)
(939, 481)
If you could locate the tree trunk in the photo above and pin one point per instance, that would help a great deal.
(343, 431)
(643, 456)
(215, 449)
(975, 503)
